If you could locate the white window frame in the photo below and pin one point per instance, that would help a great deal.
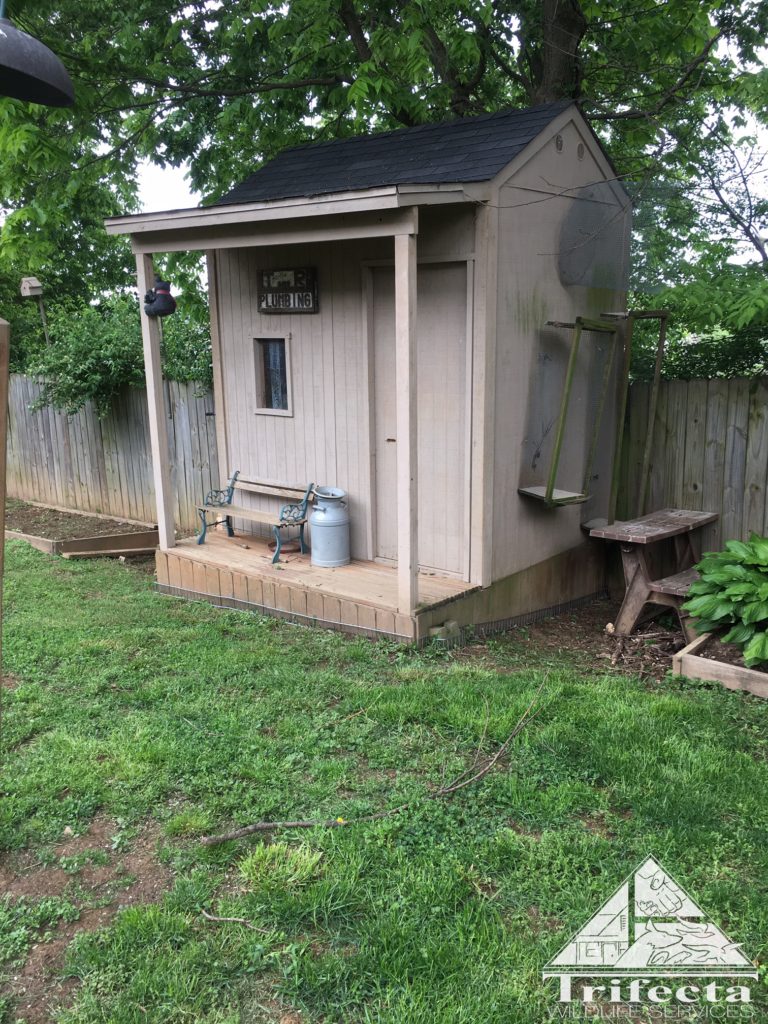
(258, 359)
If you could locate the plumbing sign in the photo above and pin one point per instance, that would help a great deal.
(288, 291)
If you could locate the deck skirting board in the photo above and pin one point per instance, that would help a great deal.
(463, 636)
(297, 617)
(546, 589)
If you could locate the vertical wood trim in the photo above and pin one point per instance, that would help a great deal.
(370, 406)
(484, 395)
(219, 406)
(407, 439)
(158, 427)
(466, 540)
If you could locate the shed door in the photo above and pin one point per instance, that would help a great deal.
(442, 385)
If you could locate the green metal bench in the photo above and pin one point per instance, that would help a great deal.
(292, 514)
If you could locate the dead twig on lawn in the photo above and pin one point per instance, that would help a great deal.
(231, 920)
(471, 775)
(475, 773)
(619, 651)
(271, 826)
(484, 733)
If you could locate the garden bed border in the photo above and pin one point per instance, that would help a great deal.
(688, 663)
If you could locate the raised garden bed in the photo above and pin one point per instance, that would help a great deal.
(708, 659)
(76, 535)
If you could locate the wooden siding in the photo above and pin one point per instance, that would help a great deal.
(530, 358)
(442, 387)
(104, 465)
(327, 439)
(710, 452)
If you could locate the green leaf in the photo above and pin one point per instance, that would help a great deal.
(756, 651)
(756, 611)
(738, 548)
(740, 634)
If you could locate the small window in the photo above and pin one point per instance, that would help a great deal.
(272, 376)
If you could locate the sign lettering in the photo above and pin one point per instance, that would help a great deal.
(288, 291)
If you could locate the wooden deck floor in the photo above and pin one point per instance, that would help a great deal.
(238, 571)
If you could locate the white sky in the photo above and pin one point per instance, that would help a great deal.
(164, 188)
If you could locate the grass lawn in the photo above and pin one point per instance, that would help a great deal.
(135, 723)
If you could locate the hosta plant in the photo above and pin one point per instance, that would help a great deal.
(733, 592)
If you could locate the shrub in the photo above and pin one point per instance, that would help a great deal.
(96, 352)
(733, 592)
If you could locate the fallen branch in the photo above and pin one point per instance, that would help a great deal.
(475, 773)
(471, 775)
(231, 920)
(271, 826)
(619, 651)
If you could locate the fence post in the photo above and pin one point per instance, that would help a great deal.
(5, 344)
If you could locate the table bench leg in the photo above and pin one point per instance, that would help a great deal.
(637, 595)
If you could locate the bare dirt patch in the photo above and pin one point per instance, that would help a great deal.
(53, 524)
(595, 824)
(100, 881)
(578, 639)
(540, 922)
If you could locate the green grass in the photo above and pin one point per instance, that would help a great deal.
(143, 708)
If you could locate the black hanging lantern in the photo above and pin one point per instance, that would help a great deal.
(158, 301)
(29, 70)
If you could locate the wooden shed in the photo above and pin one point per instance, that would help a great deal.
(402, 284)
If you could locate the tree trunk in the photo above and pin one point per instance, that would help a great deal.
(556, 68)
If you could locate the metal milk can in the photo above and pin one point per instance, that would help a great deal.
(329, 528)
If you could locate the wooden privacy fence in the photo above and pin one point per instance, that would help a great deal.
(105, 465)
(710, 452)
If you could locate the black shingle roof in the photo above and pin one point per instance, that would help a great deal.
(467, 149)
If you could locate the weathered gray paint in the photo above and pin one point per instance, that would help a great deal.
(535, 203)
(329, 437)
(545, 240)
(104, 465)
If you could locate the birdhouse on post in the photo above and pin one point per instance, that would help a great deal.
(31, 287)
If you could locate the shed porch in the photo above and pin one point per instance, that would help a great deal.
(237, 572)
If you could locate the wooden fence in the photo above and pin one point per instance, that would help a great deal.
(710, 451)
(104, 465)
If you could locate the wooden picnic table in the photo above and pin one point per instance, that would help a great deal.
(634, 537)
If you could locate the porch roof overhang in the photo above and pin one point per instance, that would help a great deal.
(378, 212)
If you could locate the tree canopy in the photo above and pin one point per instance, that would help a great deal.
(675, 89)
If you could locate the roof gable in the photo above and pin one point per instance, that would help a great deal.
(464, 150)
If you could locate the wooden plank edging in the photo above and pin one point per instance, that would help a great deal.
(687, 663)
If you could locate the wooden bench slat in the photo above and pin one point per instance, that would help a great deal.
(258, 515)
(677, 585)
(272, 490)
(219, 502)
(656, 526)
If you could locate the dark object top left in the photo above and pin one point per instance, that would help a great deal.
(158, 301)
(30, 71)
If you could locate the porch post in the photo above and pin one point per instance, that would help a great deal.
(158, 428)
(5, 346)
(407, 447)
